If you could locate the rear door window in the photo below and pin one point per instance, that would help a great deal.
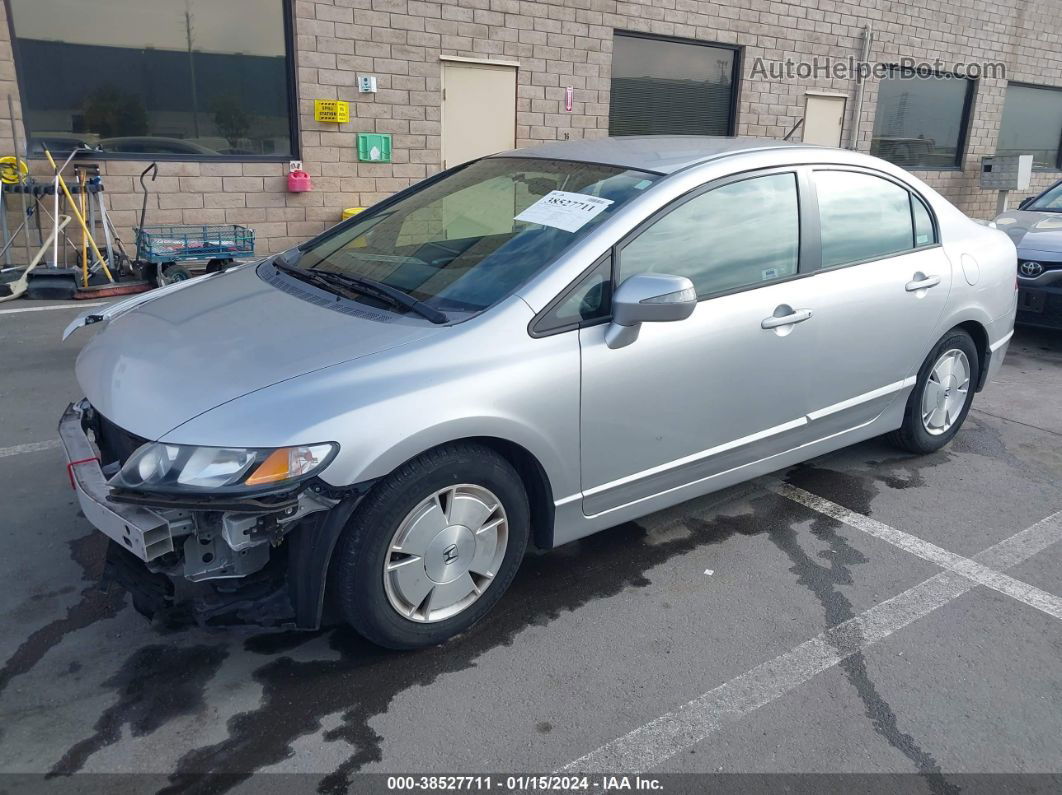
(862, 217)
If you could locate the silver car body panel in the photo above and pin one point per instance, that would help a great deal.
(107, 313)
(689, 407)
(216, 340)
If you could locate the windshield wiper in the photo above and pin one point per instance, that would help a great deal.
(369, 287)
(384, 292)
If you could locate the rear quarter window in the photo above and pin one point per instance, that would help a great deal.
(924, 235)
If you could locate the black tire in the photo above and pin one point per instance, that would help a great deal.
(913, 435)
(216, 265)
(357, 581)
(175, 273)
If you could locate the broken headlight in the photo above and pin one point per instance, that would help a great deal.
(181, 468)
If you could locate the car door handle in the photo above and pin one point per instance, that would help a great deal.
(921, 282)
(796, 316)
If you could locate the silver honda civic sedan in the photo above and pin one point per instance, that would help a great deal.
(524, 349)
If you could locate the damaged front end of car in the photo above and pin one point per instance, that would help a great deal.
(207, 534)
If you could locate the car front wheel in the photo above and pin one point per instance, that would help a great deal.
(433, 547)
(941, 399)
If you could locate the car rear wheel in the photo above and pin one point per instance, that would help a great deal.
(940, 401)
(433, 547)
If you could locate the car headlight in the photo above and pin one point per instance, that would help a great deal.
(158, 466)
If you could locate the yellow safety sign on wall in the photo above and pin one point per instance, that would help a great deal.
(334, 110)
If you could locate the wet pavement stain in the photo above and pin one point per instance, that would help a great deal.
(40, 597)
(155, 685)
(297, 695)
(822, 580)
(853, 492)
(904, 472)
(980, 437)
(94, 604)
(884, 464)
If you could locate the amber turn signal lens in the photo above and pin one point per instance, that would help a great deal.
(274, 468)
(287, 463)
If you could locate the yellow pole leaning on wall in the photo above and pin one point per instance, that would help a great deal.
(81, 185)
(77, 214)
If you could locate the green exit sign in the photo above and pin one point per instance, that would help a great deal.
(374, 147)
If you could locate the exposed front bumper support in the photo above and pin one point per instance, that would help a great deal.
(286, 587)
(140, 530)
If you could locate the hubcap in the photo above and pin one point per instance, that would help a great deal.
(445, 553)
(945, 392)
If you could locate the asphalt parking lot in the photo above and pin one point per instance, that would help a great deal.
(867, 612)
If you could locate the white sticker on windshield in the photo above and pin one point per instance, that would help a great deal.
(563, 210)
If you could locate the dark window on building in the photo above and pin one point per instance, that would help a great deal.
(862, 217)
(670, 87)
(921, 120)
(1032, 124)
(187, 80)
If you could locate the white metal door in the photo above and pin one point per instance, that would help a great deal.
(823, 119)
(478, 110)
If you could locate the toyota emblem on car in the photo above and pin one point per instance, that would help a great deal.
(1031, 269)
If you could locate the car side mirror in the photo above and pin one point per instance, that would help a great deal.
(648, 298)
(1025, 202)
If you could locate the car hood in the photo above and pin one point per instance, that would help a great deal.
(167, 360)
(1033, 232)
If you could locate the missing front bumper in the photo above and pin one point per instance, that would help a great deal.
(262, 565)
(262, 599)
(138, 529)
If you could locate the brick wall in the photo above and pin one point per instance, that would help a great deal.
(557, 44)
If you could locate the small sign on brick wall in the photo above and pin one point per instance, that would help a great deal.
(333, 110)
(374, 147)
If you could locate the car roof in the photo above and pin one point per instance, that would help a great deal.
(664, 154)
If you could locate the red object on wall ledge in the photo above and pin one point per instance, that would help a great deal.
(299, 182)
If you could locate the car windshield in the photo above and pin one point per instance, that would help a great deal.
(1050, 202)
(463, 242)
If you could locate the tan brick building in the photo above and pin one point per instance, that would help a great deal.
(568, 82)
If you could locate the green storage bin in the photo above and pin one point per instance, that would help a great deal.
(374, 147)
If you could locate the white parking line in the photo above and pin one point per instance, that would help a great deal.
(31, 447)
(660, 739)
(50, 308)
(971, 569)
